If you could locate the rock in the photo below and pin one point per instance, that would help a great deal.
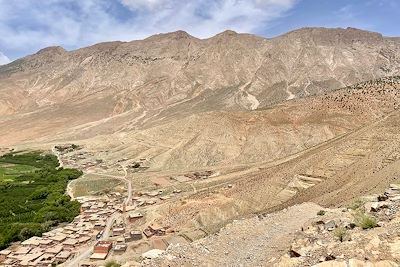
(383, 197)
(331, 264)
(294, 254)
(285, 261)
(347, 223)
(375, 206)
(330, 226)
(321, 243)
(330, 258)
(395, 248)
(356, 263)
(385, 264)
(131, 264)
(394, 187)
(379, 205)
(152, 254)
(374, 243)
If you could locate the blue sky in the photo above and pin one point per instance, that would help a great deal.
(29, 25)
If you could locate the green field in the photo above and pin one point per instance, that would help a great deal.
(9, 172)
(93, 184)
(32, 198)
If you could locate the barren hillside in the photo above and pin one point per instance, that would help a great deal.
(175, 74)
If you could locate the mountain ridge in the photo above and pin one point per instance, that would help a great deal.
(175, 74)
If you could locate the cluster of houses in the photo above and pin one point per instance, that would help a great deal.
(150, 198)
(61, 244)
(54, 247)
(83, 160)
(66, 148)
(80, 159)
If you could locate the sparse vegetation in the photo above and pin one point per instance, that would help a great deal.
(365, 221)
(33, 200)
(340, 233)
(356, 205)
(112, 263)
(321, 213)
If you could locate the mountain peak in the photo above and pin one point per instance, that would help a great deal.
(226, 33)
(177, 35)
(54, 50)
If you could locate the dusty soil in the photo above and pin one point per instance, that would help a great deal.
(257, 241)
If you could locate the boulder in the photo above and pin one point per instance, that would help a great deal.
(382, 197)
(152, 254)
(330, 225)
(294, 254)
(375, 206)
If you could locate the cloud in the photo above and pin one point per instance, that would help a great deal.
(29, 25)
(204, 18)
(4, 59)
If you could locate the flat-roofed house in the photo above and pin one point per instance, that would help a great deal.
(4, 254)
(118, 231)
(70, 243)
(33, 241)
(63, 256)
(54, 249)
(102, 247)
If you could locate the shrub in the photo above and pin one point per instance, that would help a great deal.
(356, 205)
(340, 233)
(321, 213)
(365, 221)
(112, 263)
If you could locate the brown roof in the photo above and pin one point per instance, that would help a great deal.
(54, 249)
(99, 256)
(70, 241)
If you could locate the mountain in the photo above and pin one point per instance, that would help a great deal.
(229, 71)
(223, 127)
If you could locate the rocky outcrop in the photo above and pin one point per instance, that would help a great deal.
(364, 234)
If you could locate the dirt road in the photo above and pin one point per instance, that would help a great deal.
(107, 229)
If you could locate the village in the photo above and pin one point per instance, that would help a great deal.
(115, 225)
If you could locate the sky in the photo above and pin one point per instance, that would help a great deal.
(26, 26)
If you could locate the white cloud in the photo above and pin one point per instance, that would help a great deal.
(204, 18)
(147, 4)
(28, 25)
(4, 59)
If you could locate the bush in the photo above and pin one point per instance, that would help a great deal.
(365, 221)
(321, 213)
(112, 263)
(340, 233)
(356, 205)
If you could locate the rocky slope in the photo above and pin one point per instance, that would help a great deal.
(175, 71)
(363, 234)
